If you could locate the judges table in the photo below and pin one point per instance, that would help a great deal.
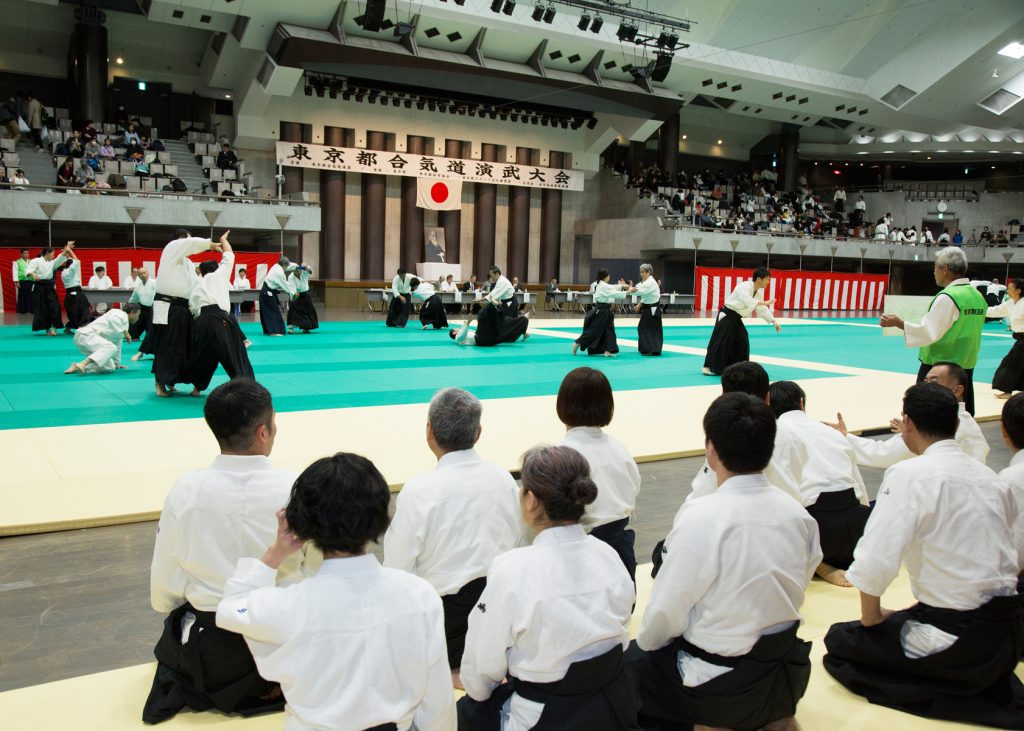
(383, 296)
(582, 300)
(119, 295)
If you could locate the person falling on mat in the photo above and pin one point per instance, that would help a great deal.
(100, 341)
(491, 328)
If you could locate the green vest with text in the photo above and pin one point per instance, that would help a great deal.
(962, 341)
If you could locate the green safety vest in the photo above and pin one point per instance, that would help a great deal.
(22, 266)
(962, 341)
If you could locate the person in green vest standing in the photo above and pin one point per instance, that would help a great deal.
(951, 329)
(26, 304)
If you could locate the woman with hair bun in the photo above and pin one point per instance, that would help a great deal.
(552, 618)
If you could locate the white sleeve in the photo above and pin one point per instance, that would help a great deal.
(252, 608)
(934, 325)
(166, 579)
(178, 249)
(1000, 310)
(436, 710)
(972, 440)
(879, 453)
(404, 536)
(485, 659)
(705, 482)
(785, 470)
(395, 284)
(889, 531)
(135, 294)
(226, 266)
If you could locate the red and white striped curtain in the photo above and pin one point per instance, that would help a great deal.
(796, 290)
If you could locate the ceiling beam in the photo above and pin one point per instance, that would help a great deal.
(592, 72)
(536, 60)
(476, 48)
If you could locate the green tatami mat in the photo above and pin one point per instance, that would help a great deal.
(341, 365)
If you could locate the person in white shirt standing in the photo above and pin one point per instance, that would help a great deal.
(1009, 376)
(41, 271)
(451, 523)
(948, 520)
(301, 312)
(598, 336)
(585, 404)
(218, 340)
(502, 294)
(274, 284)
(825, 468)
(729, 341)
(211, 518)
(100, 341)
(400, 305)
(554, 617)
(143, 295)
(1013, 475)
(172, 319)
(358, 645)
(648, 330)
(718, 644)
(76, 304)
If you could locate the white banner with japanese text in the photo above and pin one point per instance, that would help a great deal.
(354, 160)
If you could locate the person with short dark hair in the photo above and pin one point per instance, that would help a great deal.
(432, 312)
(211, 518)
(585, 404)
(100, 341)
(226, 158)
(824, 467)
(357, 645)
(301, 312)
(400, 306)
(718, 644)
(76, 304)
(172, 320)
(729, 341)
(26, 305)
(452, 522)
(1013, 475)
(41, 271)
(598, 336)
(502, 294)
(274, 284)
(554, 617)
(648, 330)
(947, 519)
(1009, 376)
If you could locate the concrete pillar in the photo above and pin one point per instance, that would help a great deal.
(789, 161)
(291, 132)
(88, 68)
(374, 199)
(484, 214)
(451, 221)
(551, 225)
(411, 246)
(668, 147)
(519, 222)
(332, 213)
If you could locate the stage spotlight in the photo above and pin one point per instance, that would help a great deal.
(591, 123)
(510, 5)
(538, 13)
(496, 6)
(549, 14)
(332, 91)
(421, 104)
(595, 27)
(309, 90)
(626, 32)
(403, 29)
(584, 22)
(533, 120)
(660, 66)
(346, 95)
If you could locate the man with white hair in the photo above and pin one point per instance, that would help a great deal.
(951, 329)
(648, 330)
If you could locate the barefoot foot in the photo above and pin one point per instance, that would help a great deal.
(161, 391)
(832, 575)
(575, 348)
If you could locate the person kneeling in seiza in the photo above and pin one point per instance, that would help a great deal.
(948, 519)
(718, 644)
(357, 646)
(100, 341)
(553, 618)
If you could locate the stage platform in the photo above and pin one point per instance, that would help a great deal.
(101, 450)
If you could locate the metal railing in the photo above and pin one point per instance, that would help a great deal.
(183, 196)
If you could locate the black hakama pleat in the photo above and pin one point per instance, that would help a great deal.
(598, 694)
(622, 538)
(148, 344)
(763, 686)
(77, 308)
(493, 329)
(47, 306)
(270, 312)
(457, 607)
(217, 340)
(729, 342)
(649, 334)
(972, 681)
(1009, 376)
(172, 347)
(213, 669)
(432, 313)
(398, 311)
(143, 324)
(26, 302)
(598, 335)
(841, 519)
(509, 307)
(302, 313)
(922, 373)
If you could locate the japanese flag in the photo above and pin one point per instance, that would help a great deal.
(439, 195)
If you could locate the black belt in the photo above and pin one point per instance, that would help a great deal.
(44, 282)
(602, 305)
(173, 300)
(211, 310)
(833, 502)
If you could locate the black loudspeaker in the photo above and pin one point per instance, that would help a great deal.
(660, 66)
(374, 16)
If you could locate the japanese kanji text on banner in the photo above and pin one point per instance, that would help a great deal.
(354, 160)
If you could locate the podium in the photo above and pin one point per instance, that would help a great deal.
(429, 271)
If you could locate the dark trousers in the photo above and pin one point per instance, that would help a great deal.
(619, 536)
(649, 332)
(1009, 376)
(968, 387)
(47, 307)
(217, 340)
(172, 342)
(457, 607)
(729, 342)
(26, 303)
(270, 312)
(598, 336)
(841, 519)
(398, 311)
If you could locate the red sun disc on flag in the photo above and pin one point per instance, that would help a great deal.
(439, 192)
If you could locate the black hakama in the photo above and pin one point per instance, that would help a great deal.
(47, 306)
(649, 334)
(763, 686)
(172, 346)
(841, 519)
(217, 340)
(922, 373)
(270, 312)
(432, 313)
(302, 313)
(729, 342)
(493, 329)
(1009, 376)
(457, 607)
(622, 538)
(26, 303)
(972, 681)
(143, 324)
(598, 335)
(596, 694)
(398, 311)
(213, 669)
(77, 308)
(509, 307)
